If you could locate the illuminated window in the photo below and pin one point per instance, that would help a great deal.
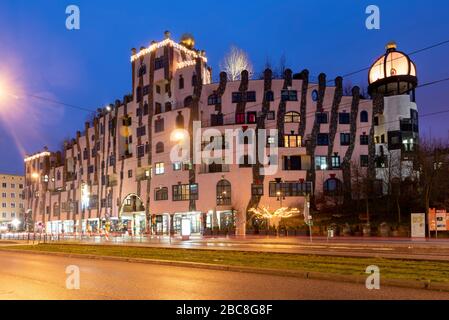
(292, 141)
(223, 193)
(185, 192)
(160, 168)
(292, 117)
(321, 163)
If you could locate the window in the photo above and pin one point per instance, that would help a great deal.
(269, 96)
(364, 116)
(271, 140)
(321, 163)
(214, 99)
(257, 190)
(141, 131)
(335, 162)
(251, 117)
(322, 139)
(248, 96)
(157, 108)
(292, 141)
(216, 119)
(315, 95)
(223, 193)
(158, 89)
(160, 168)
(159, 147)
(177, 166)
(146, 90)
(56, 209)
(140, 151)
(185, 192)
(127, 121)
(271, 115)
(138, 94)
(168, 107)
(181, 82)
(345, 139)
(239, 118)
(236, 97)
(159, 125)
(376, 121)
(4, 185)
(142, 70)
(344, 118)
(161, 194)
(292, 117)
(85, 154)
(292, 163)
(167, 88)
(289, 95)
(159, 63)
(364, 140)
(130, 173)
(4, 195)
(364, 161)
(321, 117)
(332, 186)
(289, 189)
(188, 102)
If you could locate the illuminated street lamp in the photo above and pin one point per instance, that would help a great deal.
(178, 135)
(15, 223)
(35, 175)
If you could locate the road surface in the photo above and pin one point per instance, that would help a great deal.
(30, 276)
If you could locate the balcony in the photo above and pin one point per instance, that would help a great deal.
(133, 208)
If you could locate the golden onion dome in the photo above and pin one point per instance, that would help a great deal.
(188, 41)
(392, 63)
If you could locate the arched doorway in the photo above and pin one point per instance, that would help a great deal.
(132, 216)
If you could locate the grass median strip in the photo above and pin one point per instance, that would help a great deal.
(435, 271)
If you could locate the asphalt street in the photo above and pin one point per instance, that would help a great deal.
(30, 276)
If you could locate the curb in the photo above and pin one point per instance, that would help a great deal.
(412, 284)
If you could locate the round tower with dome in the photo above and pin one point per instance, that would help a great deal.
(392, 82)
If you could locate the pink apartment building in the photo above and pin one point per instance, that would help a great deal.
(118, 173)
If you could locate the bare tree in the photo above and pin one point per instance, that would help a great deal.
(432, 160)
(235, 61)
(282, 65)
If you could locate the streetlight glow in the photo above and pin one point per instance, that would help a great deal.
(16, 223)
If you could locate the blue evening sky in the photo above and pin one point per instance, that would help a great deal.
(90, 67)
